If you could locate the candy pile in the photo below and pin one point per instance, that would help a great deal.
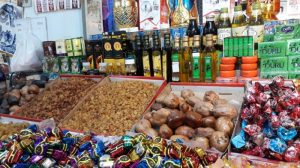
(56, 148)
(270, 122)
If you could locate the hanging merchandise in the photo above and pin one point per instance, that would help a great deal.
(93, 20)
(42, 6)
(108, 15)
(125, 14)
(149, 11)
(165, 12)
(180, 16)
(211, 7)
(270, 9)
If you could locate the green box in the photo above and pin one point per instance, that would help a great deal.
(294, 75)
(293, 47)
(275, 64)
(271, 75)
(294, 63)
(272, 49)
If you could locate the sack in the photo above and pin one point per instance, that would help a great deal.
(29, 54)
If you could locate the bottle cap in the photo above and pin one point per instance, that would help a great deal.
(256, 6)
(238, 8)
(224, 10)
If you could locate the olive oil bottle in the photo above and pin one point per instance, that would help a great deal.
(224, 29)
(176, 54)
(156, 56)
(147, 58)
(256, 24)
(208, 62)
(195, 65)
(185, 61)
(139, 56)
(239, 25)
(166, 58)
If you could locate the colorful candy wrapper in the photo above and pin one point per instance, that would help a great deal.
(291, 154)
(252, 129)
(174, 163)
(122, 162)
(146, 162)
(286, 134)
(277, 145)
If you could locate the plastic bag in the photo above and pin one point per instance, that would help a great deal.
(29, 54)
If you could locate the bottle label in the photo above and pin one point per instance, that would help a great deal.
(214, 40)
(146, 65)
(223, 33)
(157, 64)
(175, 63)
(257, 32)
(129, 61)
(196, 68)
(164, 63)
(207, 67)
(239, 31)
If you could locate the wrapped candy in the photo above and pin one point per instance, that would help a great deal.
(286, 134)
(292, 154)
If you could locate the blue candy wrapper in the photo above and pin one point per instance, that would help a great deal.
(33, 128)
(286, 134)
(278, 145)
(239, 140)
(267, 130)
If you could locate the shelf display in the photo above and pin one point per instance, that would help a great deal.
(58, 99)
(118, 103)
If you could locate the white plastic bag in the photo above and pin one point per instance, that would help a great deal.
(28, 55)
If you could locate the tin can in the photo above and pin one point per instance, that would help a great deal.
(69, 47)
(60, 48)
(77, 46)
(49, 48)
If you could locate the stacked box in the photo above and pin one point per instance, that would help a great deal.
(272, 49)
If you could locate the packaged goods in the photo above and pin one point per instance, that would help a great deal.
(272, 49)
(58, 99)
(112, 108)
(269, 120)
(274, 64)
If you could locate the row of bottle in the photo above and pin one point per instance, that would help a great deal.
(241, 25)
(180, 62)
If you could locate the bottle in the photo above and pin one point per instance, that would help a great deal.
(210, 28)
(195, 66)
(185, 60)
(166, 58)
(224, 29)
(130, 61)
(180, 15)
(156, 56)
(208, 65)
(239, 25)
(192, 30)
(256, 25)
(147, 60)
(139, 56)
(164, 14)
(270, 9)
(176, 54)
(194, 10)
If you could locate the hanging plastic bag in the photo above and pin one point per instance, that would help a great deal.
(29, 54)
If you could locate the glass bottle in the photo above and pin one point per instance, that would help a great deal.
(194, 11)
(208, 65)
(156, 57)
(139, 56)
(192, 30)
(239, 25)
(166, 58)
(210, 28)
(270, 9)
(256, 25)
(195, 66)
(147, 61)
(224, 29)
(130, 61)
(176, 54)
(185, 61)
(180, 15)
(164, 14)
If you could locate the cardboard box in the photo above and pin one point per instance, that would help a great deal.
(293, 47)
(275, 64)
(294, 63)
(294, 75)
(272, 49)
(271, 75)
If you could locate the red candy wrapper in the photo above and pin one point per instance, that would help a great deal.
(275, 122)
(211, 158)
(257, 151)
(291, 154)
(252, 129)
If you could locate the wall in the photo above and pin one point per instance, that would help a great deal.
(61, 24)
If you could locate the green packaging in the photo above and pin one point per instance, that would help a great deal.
(294, 63)
(226, 48)
(293, 47)
(250, 46)
(272, 49)
(231, 47)
(241, 46)
(274, 64)
(294, 75)
(271, 75)
(236, 47)
(287, 31)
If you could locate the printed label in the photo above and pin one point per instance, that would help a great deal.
(207, 67)
(175, 67)
(257, 32)
(239, 31)
(215, 37)
(223, 33)
(129, 61)
(273, 64)
(146, 65)
(164, 63)
(157, 65)
(196, 68)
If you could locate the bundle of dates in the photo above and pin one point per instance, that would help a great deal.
(56, 148)
(270, 121)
